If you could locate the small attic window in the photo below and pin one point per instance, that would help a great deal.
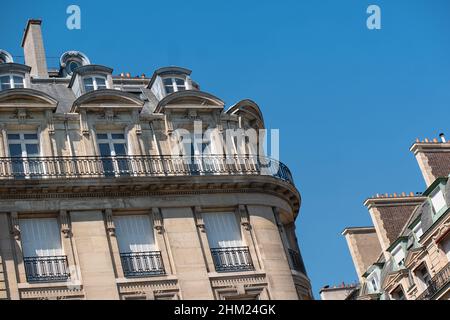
(11, 81)
(174, 84)
(94, 83)
(71, 66)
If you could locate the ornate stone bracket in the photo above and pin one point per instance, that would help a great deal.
(15, 227)
(199, 219)
(137, 124)
(83, 123)
(245, 219)
(50, 124)
(168, 123)
(157, 220)
(110, 223)
(65, 223)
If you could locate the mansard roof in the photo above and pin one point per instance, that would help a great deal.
(249, 108)
(107, 98)
(14, 98)
(198, 98)
(12, 67)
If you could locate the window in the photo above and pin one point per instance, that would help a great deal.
(446, 247)
(94, 83)
(138, 251)
(438, 200)
(424, 277)
(398, 294)
(24, 150)
(113, 150)
(372, 279)
(43, 256)
(174, 85)
(71, 66)
(11, 82)
(224, 237)
(399, 255)
(417, 230)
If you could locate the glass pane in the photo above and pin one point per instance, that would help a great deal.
(88, 84)
(169, 89)
(15, 150)
(101, 83)
(118, 136)
(179, 82)
(30, 136)
(13, 136)
(105, 150)
(102, 136)
(18, 82)
(32, 150)
(5, 83)
(120, 149)
(167, 82)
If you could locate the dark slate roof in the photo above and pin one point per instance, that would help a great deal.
(439, 163)
(60, 92)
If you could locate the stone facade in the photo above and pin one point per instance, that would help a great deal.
(86, 149)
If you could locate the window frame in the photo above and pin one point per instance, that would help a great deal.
(174, 86)
(12, 83)
(94, 82)
(434, 193)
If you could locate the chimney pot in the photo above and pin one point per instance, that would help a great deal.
(442, 136)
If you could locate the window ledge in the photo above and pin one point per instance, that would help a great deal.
(61, 284)
(145, 279)
(235, 274)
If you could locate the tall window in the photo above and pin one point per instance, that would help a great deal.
(225, 240)
(438, 200)
(424, 277)
(174, 85)
(446, 247)
(138, 251)
(398, 294)
(11, 81)
(113, 150)
(42, 251)
(398, 255)
(23, 149)
(94, 83)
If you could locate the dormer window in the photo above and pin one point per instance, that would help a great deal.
(174, 84)
(71, 66)
(94, 83)
(398, 254)
(438, 200)
(417, 230)
(11, 81)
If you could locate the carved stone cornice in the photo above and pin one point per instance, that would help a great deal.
(110, 227)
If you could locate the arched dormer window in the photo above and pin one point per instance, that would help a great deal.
(72, 60)
(90, 78)
(168, 80)
(13, 76)
(5, 57)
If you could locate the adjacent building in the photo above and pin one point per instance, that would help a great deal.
(108, 192)
(406, 254)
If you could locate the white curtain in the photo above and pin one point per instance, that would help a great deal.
(40, 237)
(135, 233)
(222, 229)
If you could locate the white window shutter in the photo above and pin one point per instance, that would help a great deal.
(40, 237)
(135, 233)
(222, 229)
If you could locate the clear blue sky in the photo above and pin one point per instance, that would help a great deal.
(349, 101)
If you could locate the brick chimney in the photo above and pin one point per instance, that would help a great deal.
(33, 47)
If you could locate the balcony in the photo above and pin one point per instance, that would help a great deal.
(142, 264)
(437, 283)
(46, 269)
(297, 261)
(232, 259)
(140, 166)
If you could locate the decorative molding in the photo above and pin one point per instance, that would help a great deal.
(15, 226)
(110, 223)
(151, 289)
(199, 219)
(58, 293)
(50, 124)
(157, 220)
(245, 219)
(443, 230)
(168, 124)
(65, 223)
(83, 123)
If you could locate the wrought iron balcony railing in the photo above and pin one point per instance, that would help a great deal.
(46, 269)
(437, 283)
(297, 261)
(232, 259)
(136, 166)
(142, 264)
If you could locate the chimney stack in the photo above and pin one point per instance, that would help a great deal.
(443, 138)
(33, 47)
